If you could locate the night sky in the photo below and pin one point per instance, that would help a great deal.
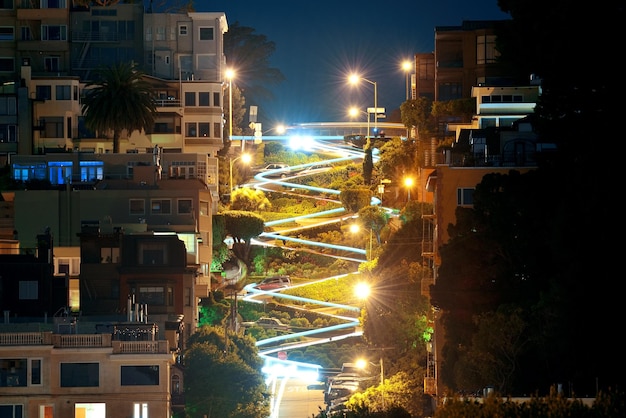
(319, 43)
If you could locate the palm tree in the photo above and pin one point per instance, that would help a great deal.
(117, 99)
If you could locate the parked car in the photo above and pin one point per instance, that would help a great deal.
(267, 323)
(317, 168)
(274, 282)
(274, 170)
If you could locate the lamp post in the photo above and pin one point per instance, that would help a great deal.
(354, 79)
(354, 111)
(230, 74)
(355, 228)
(407, 66)
(408, 182)
(246, 158)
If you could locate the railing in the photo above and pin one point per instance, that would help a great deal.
(81, 340)
(140, 347)
(25, 338)
(84, 341)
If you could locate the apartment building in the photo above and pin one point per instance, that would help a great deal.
(48, 374)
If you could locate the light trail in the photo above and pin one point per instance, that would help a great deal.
(274, 367)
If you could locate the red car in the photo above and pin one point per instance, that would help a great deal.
(273, 283)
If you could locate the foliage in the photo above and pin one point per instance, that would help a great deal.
(243, 226)
(463, 108)
(609, 404)
(119, 99)
(249, 199)
(249, 54)
(223, 376)
(399, 392)
(355, 198)
(417, 113)
(396, 160)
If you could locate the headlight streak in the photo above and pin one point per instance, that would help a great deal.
(274, 367)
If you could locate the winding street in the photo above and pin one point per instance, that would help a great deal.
(285, 378)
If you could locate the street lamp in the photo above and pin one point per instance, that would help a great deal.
(246, 158)
(355, 228)
(354, 79)
(230, 74)
(354, 111)
(408, 182)
(407, 66)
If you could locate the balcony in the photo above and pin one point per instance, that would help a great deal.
(65, 341)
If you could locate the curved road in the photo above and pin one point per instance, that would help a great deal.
(280, 372)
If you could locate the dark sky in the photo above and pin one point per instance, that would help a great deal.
(319, 43)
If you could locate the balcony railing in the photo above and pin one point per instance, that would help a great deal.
(83, 341)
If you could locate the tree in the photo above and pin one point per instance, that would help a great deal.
(374, 219)
(243, 227)
(355, 198)
(223, 376)
(249, 199)
(417, 113)
(119, 99)
(249, 55)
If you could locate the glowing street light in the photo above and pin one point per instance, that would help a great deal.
(355, 228)
(407, 66)
(354, 79)
(354, 111)
(246, 158)
(408, 182)
(230, 74)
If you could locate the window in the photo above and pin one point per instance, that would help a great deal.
(217, 129)
(11, 411)
(183, 30)
(154, 295)
(35, 371)
(13, 372)
(26, 34)
(207, 60)
(184, 206)
(53, 33)
(160, 33)
(161, 206)
(152, 253)
(465, 197)
(450, 91)
(74, 375)
(190, 98)
(64, 92)
(91, 170)
(216, 99)
(191, 129)
(486, 52)
(67, 265)
(8, 133)
(46, 411)
(205, 34)
(29, 290)
(53, 127)
(204, 208)
(53, 4)
(43, 92)
(203, 129)
(60, 172)
(187, 296)
(7, 64)
(203, 99)
(7, 33)
(8, 105)
(137, 206)
(140, 410)
(140, 375)
(52, 64)
(6, 4)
